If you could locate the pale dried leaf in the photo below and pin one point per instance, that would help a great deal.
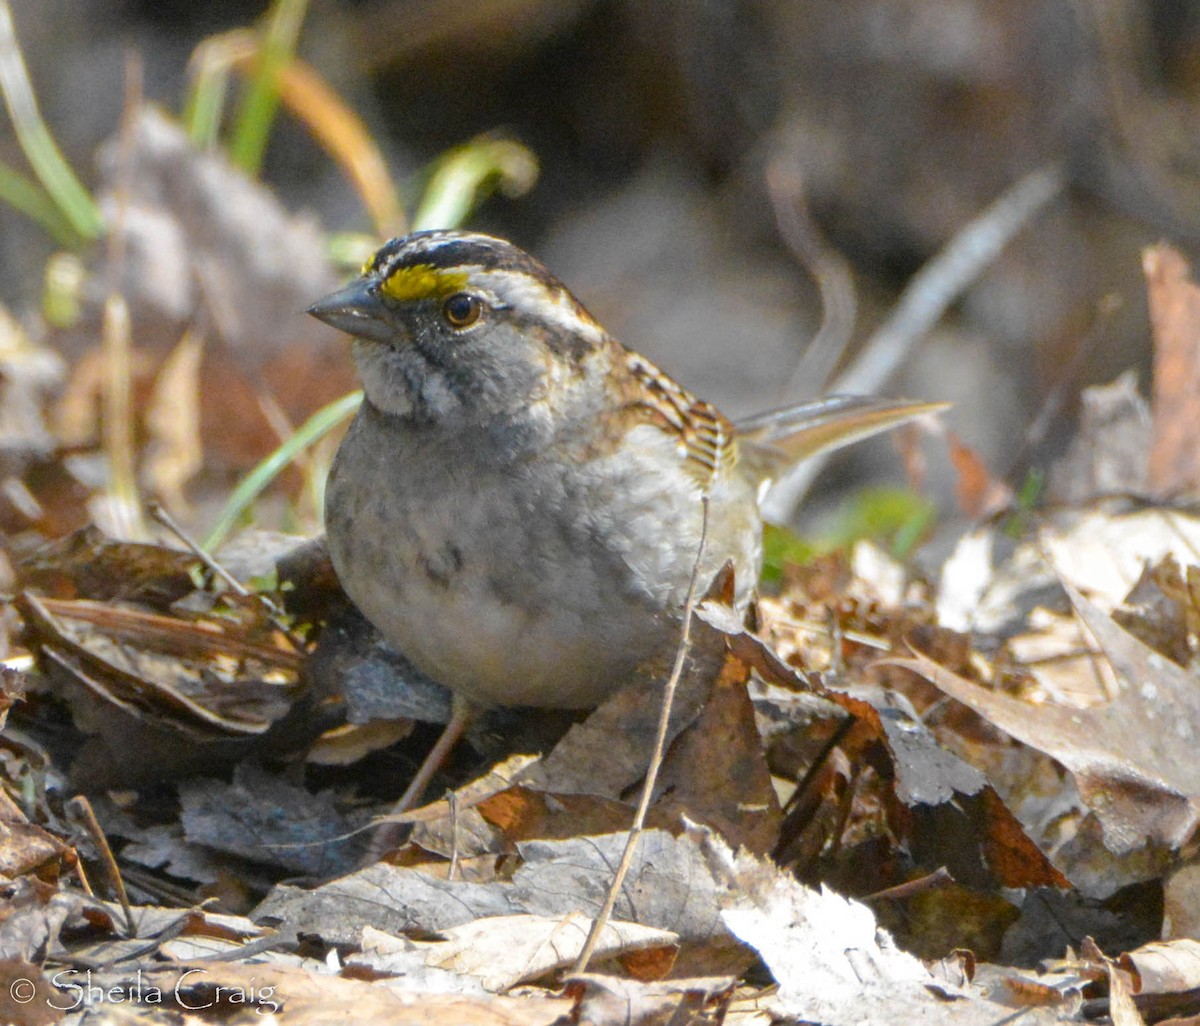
(386, 897)
(668, 885)
(877, 577)
(1104, 555)
(1109, 452)
(1164, 967)
(314, 999)
(508, 950)
(967, 578)
(27, 997)
(1103, 552)
(175, 451)
(832, 962)
(668, 888)
(1181, 902)
(1062, 657)
(1121, 1009)
(384, 954)
(612, 1001)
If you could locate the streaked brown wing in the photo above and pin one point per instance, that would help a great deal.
(705, 438)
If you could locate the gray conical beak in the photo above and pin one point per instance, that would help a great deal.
(357, 310)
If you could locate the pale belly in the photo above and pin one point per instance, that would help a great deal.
(510, 595)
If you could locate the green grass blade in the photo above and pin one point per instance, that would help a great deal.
(468, 174)
(206, 100)
(35, 203)
(258, 107)
(253, 484)
(40, 150)
(348, 251)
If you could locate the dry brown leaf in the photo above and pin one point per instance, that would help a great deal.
(36, 913)
(24, 846)
(716, 771)
(978, 493)
(1132, 758)
(27, 997)
(668, 888)
(954, 817)
(523, 814)
(949, 815)
(89, 565)
(263, 818)
(1175, 315)
(387, 898)
(165, 695)
(609, 752)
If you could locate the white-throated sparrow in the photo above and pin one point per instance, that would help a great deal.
(517, 505)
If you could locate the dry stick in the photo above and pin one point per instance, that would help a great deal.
(656, 758)
(82, 808)
(845, 807)
(827, 268)
(274, 613)
(926, 297)
(838, 736)
(939, 876)
(452, 801)
(126, 953)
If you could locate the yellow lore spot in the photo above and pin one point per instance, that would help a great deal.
(422, 281)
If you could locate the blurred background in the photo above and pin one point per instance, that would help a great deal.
(894, 123)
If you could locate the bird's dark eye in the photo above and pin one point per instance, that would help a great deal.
(462, 309)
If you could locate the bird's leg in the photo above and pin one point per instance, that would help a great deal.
(389, 835)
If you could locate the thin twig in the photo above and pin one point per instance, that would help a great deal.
(82, 809)
(944, 278)
(452, 801)
(924, 300)
(838, 736)
(656, 758)
(828, 269)
(939, 876)
(276, 615)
